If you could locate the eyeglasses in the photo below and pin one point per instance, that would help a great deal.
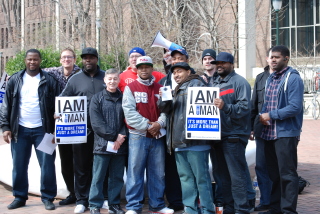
(134, 56)
(67, 57)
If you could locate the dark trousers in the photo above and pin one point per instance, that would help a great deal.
(66, 157)
(218, 198)
(281, 158)
(172, 181)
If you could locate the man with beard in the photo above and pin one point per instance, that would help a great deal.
(86, 82)
(26, 116)
(234, 105)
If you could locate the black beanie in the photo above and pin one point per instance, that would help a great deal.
(209, 52)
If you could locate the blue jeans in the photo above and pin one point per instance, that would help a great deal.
(145, 153)
(234, 174)
(264, 181)
(193, 169)
(101, 163)
(21, 153)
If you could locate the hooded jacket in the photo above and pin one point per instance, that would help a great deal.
(289, 112)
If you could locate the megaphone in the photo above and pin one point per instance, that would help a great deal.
(161, 42)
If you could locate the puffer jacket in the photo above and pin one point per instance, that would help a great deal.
(107, 121)
(176, 117)
(47, 91)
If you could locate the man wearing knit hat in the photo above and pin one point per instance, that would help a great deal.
(130, 74)
(209, 55)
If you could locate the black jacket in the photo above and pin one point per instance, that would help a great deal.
(107, 121)
(176, 117)
(257, 101)
(82, 84)
(48, 89)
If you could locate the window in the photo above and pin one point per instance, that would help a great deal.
(299, 27)
(2, 36)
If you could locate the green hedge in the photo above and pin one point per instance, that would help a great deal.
(51, 58)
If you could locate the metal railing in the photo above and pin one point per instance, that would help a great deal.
(310, 77)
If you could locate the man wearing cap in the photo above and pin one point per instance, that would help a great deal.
(173, 186)
(146, 150)
(209, 55)
(87, 82)
(192, 156)
(234, 105)
(130, 74)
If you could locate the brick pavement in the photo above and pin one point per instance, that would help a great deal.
(308, 167)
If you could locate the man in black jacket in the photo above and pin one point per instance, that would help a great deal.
(257, 100)
(86, 82)
(26, 116)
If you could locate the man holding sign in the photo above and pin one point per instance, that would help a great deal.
(234, 105)
(192, 156)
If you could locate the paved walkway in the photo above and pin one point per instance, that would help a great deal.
(309, 168)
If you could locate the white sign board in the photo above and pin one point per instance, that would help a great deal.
(202, 117)
(71, 127)
(3, 84)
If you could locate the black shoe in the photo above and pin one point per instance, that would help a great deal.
(71, 199)
(49, 205)
(252, 204)
(115, 208)
(261, 207)
(16, 204)
(95, 211)
(176, 207)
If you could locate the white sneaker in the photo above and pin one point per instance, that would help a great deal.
(165, 210)
(79, 208)
(105, 205)
(131, 212)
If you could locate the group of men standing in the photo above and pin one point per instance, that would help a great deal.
(128, 111)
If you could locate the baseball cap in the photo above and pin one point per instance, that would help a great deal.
(223, 57)
(182, 51)
(144, 60)
(183, 65)
(137, 50)
(209, 52)
(89, 51)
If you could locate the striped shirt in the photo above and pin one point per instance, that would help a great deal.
(271, 102)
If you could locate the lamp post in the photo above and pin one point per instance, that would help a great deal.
(98, 25)
(277, 6)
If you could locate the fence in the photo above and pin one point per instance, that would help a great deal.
(311, 78)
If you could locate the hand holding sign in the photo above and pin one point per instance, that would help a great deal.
(219, 103)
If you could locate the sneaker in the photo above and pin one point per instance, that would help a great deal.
(49, 205)
(116, 209)
(71, 199)
(80, 208)
(16, 204)
(95, 211)
(105, 205)
(131, 212)
(163, 210)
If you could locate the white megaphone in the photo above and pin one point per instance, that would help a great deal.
(161, 42)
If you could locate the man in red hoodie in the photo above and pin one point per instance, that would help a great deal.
(130, 74)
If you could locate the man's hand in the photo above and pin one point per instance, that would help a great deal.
(218, 103)
(251, 136)
(265, 119)
(154, 129)
(56, 116)
(120, 139)
(7, 136)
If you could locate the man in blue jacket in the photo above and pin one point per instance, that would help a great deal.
(282, 115)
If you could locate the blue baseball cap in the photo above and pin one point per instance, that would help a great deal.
(182, 51)
(137, 50)
(223, 57)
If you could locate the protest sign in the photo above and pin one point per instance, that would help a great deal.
(3, 84)
(71, 127)
(202, 117)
